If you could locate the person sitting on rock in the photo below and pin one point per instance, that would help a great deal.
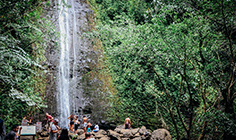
(127, 123)
(96, 128)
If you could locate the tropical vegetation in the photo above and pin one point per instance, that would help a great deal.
(24, 36)
(172, 63)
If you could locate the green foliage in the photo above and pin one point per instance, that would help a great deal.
(174, 68)
(24, 37)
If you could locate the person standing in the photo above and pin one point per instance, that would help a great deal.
(54, 130)
(24, 121)
(13, 134)
(31, 121)
(77, 123)
(127, 123)
(96, 128)
(85, 124)
(49, 119)
(89, 127)
(2, 130)
(71, 125)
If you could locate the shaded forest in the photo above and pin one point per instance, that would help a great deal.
(171, 62)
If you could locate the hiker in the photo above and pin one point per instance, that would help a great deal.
(88, 136)
(85, 124)
(13, 134)
(96, 128)
(54, 130)
(89, 127)
(49, 119)
(31, 121)
(71, 124)
(24, 121)
(64, 135)
(77, 123)
(2, 130)
(127, 123)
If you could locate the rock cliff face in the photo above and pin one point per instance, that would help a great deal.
(72, 84)
(121, 134)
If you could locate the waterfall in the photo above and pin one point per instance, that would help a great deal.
(73, 60)
(75, 54)
(64, 66)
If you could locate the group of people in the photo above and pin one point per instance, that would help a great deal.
(75, 123)
(15, 132)
(28, 122)
(52, 126)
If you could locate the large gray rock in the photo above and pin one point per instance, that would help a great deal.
(118, 130)
(44, 134)
(125, 138)
(81, 137)
(26, 137)
(80, 131)
(136, 135)
(104, 138)
(161, 134)
(137, 138)
(98, 136)
(103, 132)
(122, 126)
(143, 130)
(126, 133)
(114, 135)
(135, 131)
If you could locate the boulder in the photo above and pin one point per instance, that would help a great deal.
(137, 138)
(26, 137)
(143, 130)
(161, 134)
(81, 137)
(80, 131)
(118, 130)
(103, 132)
(125, 138)
(135, 131)
(114, 135)
(122, 126)
(136, 135)
(104, 138)
(44, 134)
(98, 136)
(126, 133)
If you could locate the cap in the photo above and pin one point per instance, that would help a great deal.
(56, 120)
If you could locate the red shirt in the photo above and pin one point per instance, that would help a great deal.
(49, 117)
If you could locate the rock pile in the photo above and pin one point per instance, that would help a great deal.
(119, 134)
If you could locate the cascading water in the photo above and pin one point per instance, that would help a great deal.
(64, 66)
(74, 53)
(72, 64)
